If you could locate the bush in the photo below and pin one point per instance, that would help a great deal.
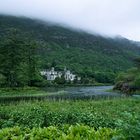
(128, 82)
(76, 132)
(120, 114)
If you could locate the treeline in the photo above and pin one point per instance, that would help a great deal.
(129, 82)
(18, 60)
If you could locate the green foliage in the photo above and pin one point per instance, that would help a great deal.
(10, 58)
(137, 82)
(2, 80)
(137, 61)
(18, 61)
(87, 55)
(60, 81)
(120, 114)
(76, 132)
(128, 82)
(130, 131)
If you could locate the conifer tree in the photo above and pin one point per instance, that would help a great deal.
(11, 55)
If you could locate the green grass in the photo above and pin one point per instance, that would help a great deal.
(28, 91)
(120, 114)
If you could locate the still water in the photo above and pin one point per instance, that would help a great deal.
(86, 91)
(72, 93)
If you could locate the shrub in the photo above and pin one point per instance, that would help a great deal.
(76, 132)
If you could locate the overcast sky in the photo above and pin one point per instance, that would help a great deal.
(106, 17)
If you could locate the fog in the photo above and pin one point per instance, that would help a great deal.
(105, 17)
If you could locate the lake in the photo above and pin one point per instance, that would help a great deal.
(94, 91)
(71, 93)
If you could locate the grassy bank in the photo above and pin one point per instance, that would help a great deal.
(26, 91)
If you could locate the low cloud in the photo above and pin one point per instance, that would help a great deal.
(106, 17)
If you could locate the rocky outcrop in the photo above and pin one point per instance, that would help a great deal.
(125, 87)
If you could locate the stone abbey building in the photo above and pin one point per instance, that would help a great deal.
(51, 75)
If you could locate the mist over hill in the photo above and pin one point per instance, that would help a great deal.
(87, 55)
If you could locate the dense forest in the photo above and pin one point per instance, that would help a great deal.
(18, 61)
(28, 46)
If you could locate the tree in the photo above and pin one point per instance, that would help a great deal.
(2, 80)
(19, 61)
(60, 80)
(137, 62)
(11, 55)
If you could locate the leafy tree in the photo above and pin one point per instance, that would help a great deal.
(60, 80)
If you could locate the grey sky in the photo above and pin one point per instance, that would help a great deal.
(106, 17)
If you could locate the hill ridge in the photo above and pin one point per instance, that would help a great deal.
(88, 55)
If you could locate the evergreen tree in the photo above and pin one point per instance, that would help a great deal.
(11, 55)
(19, 61)
(32, 62)
(137, 62)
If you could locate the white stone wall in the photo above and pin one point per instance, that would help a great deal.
(52, 75)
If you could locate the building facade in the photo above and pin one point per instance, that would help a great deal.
(51, 75)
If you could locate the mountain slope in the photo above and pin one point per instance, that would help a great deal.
(85, 54)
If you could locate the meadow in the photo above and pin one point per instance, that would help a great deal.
(68, 119)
